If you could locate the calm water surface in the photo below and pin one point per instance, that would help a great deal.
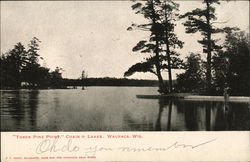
(114, 109)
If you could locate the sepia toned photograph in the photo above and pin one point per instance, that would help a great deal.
(154, 65)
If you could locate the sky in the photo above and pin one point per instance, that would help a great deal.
(92, 36)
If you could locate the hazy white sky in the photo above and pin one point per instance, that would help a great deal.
(79, 35)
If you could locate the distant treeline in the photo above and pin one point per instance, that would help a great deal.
(109, 82)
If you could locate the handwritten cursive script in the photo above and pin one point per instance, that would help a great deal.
(52, 145)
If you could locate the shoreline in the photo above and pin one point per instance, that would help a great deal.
(192, 97)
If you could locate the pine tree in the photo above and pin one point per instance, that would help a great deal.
(201, 20)
(152, 63)
(33, 55)
(161, 27)
(16, 60)
(30, 73)
(169, 16)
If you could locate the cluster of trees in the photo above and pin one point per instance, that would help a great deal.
(226, 65)
(162, 42)
(230, 68)
(20, 67)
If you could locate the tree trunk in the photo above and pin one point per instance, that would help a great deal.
(169, 115)
(169, 65)
(157, 61)
(209, 51)
(158, 68)
(168, 56)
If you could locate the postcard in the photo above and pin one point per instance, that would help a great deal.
(154, 80)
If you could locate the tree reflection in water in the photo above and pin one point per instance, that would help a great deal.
(98, 109)
(32, 107)
(201, 116)
(21, 106)
(164, 105)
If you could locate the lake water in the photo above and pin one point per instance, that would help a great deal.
(114, 109)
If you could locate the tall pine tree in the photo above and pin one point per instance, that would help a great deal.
(169, 16)
(201, 20)
(161, 16)
(30, 72)
(152, 45)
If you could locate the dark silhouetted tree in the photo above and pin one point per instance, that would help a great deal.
(83, 75)
(30, 72)
(202, 20)
(151, 63)
(232, 64)
(18, 65)
(56, 80)
(192, 80)
(169, 17)
(161, 16)
(12, 63)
